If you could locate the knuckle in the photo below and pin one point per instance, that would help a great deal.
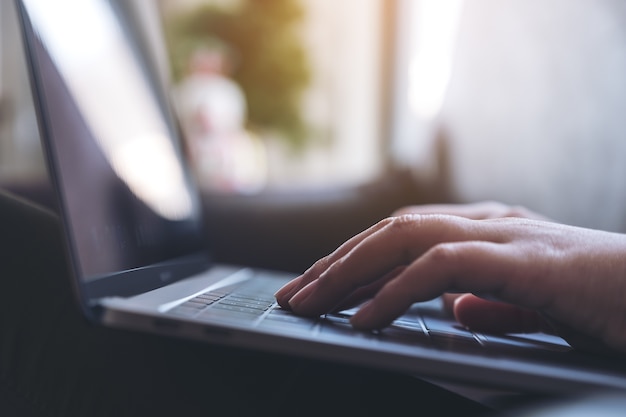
(498, 209)
(318, 268)
(389, 220)
(320, 264)
(335, 267)
(444, 252)
(517, 211)
(402, 223)
(393, 229)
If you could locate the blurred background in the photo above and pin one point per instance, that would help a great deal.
(271, 93)
(517, 101)
(302, 83)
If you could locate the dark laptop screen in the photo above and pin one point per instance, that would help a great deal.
(127, 196)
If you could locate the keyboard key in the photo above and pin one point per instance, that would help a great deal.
(446, 326)
(244, 300)
(336, 328)
(235, 303)
(281, 315)
(297, 327)
(447, 333)
(208, 297)
(409, 324)
(523, 341)
(400, 335)
(338, 318)
(282, 319)
(194, 304)
(239, 309)
(227, 316)
(184, 311)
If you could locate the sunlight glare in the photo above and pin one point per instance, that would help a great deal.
(137, 144)
(430, 67)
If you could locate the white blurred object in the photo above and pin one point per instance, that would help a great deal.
(212, 108)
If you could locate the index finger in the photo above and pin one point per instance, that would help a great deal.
(458, 266)
(399, 241)
(284, 294)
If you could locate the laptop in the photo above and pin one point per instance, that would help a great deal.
(141, 258)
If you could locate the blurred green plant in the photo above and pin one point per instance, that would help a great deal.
(262, 40)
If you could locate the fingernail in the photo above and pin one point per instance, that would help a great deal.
(298, 299)
(285, 290)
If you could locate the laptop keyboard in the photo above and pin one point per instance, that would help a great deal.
(247, 302)
(254, 304)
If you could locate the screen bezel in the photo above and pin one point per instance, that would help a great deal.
(119, 283)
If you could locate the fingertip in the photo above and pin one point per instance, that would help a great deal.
(363, 317)
(371, 316)
(461, 303)
(301, 303)
(287, 291)
(494, 317)
(473, 313)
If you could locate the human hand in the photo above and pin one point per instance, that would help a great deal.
(574, 277)
(480, 314)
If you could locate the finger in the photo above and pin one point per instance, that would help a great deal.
(359, 268)
(398, 243)
(448, 300)
(366, 292)
(480, 267)
(475, 211)
(288, 290)
(488, 316)
(466, 211)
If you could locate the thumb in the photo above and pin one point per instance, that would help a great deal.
(487, 316)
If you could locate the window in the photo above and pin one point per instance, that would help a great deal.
(336, 132)
(426, 32)
(20, 151)
(280, 93)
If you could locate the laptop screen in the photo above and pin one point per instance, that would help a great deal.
(127, 197)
